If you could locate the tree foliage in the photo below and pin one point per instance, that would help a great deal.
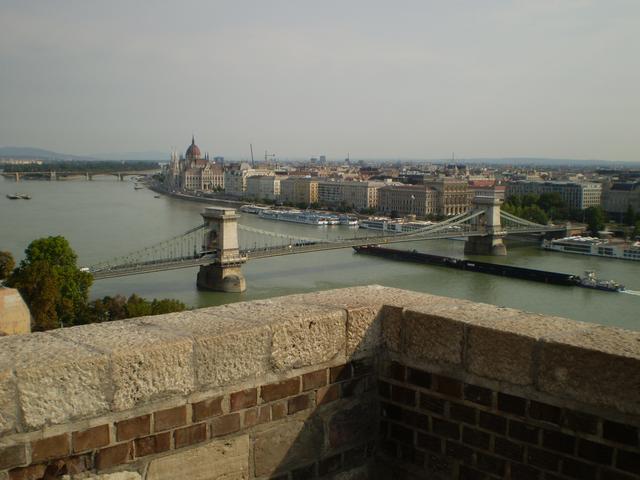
(119, 308)
(51, 283)
(595, 219)
(7, 264)
(630, 216)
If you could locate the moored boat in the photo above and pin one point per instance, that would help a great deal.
(594, 246)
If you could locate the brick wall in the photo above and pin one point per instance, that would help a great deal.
(350, 384)
(436, 426)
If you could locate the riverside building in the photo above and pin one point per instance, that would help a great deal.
(192, 172)
(578, 195)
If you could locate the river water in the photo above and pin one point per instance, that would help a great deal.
(105, 218)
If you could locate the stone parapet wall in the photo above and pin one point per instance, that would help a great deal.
(324, 385)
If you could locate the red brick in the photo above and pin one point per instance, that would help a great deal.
(256, 416)
(133, 428)
(69, 465)
(95, 437)
(12, 456)
(153, 444)
(314, 380)
(278, 410)
(244, 399)
(112, 456)
(225, 424)
(33, 472)
(207, 408)
(301, 402)
(340, 373)
(190, 435)
(170, 418)
(327, 394)
(276, 391)
(48, 448)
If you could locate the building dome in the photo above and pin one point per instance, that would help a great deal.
(193, 151)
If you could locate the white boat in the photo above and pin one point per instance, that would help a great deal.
(594, 246)
(294, 216)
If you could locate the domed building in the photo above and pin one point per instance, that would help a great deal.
(193, 173)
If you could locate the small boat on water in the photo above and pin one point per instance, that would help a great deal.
(156, 196)
(19, 196)
(591, 281)
(138, 187)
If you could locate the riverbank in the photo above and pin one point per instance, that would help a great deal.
(194, 198)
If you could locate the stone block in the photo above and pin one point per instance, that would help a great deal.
(501, 341)
(227, 348)
(221, 459)
(146, 362)
(364, 331)
(56, 381)
(8, 400)
(290, 444)
(433, 338)
(596, 365)
(352, 425)
(310, 336)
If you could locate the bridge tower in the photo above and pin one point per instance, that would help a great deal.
(491, 243)
(224, 274)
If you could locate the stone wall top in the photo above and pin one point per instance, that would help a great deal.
(81, 372)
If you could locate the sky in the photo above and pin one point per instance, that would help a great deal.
(394, 79)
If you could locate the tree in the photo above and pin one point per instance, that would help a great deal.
(595, 218)
(166, 305)
(51, 283)
(137, 307)
(636, 230)
(7, 264)
(535, 214)
(630, 216)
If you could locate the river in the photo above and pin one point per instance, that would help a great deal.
(105, 218)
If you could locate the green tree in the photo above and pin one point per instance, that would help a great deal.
(7, 264)
(630, 216)
(51, 283)
(534, 213)
(137, 307)
(636, 230)
(595, 218)
(166, 305)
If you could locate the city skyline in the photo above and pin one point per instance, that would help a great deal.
(505, 79)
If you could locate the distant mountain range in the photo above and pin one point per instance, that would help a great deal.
(39, 153)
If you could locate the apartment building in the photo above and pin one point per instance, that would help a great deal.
(235, 181)
(357, 195)
(263, 187)
(579, 195)
(299, 190)
(416, 200)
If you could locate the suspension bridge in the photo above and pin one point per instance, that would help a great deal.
(220, 246)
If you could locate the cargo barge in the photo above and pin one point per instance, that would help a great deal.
(555, 278)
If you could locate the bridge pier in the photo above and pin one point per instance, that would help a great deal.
(487, 245)
(491, 243)
(224, 274)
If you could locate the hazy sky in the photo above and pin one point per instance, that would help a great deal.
(417, 79)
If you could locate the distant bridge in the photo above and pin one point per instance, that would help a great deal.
(215, 247)
(86, 174)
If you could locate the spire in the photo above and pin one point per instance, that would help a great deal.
(193, 139)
